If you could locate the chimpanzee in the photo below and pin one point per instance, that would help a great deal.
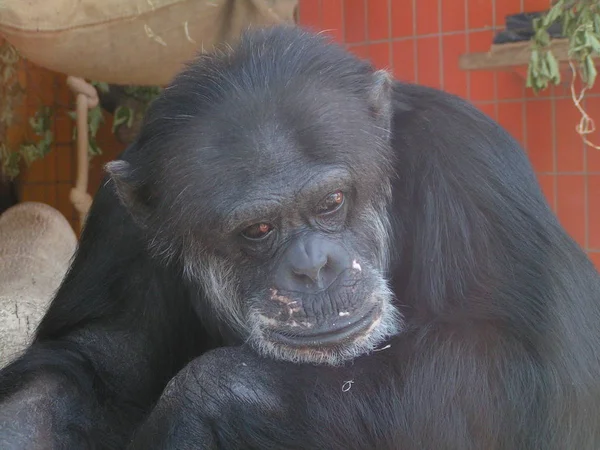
(298, 252)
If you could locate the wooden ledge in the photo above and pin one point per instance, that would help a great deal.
(509, 56)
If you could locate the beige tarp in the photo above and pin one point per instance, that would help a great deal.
(141, 42)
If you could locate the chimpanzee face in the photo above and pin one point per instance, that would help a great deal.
(274, 197)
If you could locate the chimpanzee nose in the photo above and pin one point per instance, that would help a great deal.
(311, 264)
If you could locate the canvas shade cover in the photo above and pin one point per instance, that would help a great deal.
(140, 42)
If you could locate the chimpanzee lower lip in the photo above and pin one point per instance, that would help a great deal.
(334, 336)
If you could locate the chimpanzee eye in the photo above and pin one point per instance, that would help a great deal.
(257, 231)
(330, 203)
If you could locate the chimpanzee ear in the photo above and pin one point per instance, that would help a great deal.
(381, 100)
(128, 189)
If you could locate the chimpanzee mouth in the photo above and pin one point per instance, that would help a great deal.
(342, 330)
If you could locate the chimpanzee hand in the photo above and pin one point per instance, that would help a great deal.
(223, 399)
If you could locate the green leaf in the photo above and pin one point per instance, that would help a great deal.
(591, 71)
(534, 62)
(553, 67)
(29, 152)
(552, 15)
(48, 138)
(101, 86)
(594, 43)
(530, 78)
(10, 164)
(545, 69)
(543, 38)
(93, 148)
(95, 119)
(537, 24)
(123, 114)
(145, 94)
(584, 13)
(7, 73)
(597, 23)
(568, 19)
(131, 118)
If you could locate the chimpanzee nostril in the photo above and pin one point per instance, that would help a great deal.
(312, 269)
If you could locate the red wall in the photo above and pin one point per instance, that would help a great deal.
(421, 41)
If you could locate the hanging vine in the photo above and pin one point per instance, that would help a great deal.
(580, 20)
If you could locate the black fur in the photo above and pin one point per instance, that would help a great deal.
(501, 344)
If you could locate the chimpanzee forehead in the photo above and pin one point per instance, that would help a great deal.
(271, 130)
(261, 145)
(249, 173)
(271, 158)
(278, 171)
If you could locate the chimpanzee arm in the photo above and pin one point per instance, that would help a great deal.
(452, 388)
(229, 398)
(114, 335)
